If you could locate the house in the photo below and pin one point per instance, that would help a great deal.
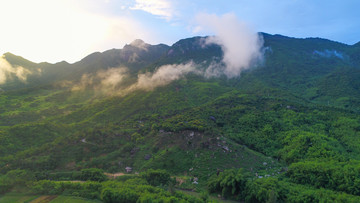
(128, 169)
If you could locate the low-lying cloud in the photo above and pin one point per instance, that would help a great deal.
(329, 53)
(164, 75)
(9, 72)
(111, 81)
(240, 44)
(105, 80)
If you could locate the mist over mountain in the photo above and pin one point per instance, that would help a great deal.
(281, 117)
(301, 66)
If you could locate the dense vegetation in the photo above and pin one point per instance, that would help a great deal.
(285, 131)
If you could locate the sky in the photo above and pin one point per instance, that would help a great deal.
(57, 30)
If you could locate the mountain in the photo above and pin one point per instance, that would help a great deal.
(293, 118)
(134, 56)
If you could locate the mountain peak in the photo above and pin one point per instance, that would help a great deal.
(139, 44)
(17, 60)
(8, 54)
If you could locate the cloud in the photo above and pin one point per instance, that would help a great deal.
(164, 75)
(161, 8)
(8, 72)
(85, 82)
(111, 81)
(329, 53)
(105, 81)
(111, 78)
(240, 44)
(214, 70)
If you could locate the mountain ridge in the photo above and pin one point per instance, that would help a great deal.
(200, 43)
(301, 66)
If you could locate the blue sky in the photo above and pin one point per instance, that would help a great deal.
(56, 30)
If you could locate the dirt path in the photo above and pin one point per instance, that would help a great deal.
(75, 181)
(114, 175)
(44, 199)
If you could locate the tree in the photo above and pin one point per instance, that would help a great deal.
(231, 182)
(93, 174)
(265, 190)
(156, 177)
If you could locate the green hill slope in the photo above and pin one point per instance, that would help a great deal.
(298, 109)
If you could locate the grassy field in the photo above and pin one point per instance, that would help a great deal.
(69, 199)
(21, 198)
(16, 198)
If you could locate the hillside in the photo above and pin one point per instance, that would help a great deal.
(293, 118)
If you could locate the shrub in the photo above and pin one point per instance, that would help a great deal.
(90, 190)
(15, 178)
(230, 183)
(93, 174)
(265, 190)
(119, 195)
(156, 177)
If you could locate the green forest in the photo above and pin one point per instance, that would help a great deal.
(286, 130)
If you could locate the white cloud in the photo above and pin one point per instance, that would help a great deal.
(106, 81)
(164, 75)
(8, 72)
(110, 81)
(161, 8)
(240, 44)
(112, 77)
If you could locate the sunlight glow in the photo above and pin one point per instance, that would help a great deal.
(51, 30)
